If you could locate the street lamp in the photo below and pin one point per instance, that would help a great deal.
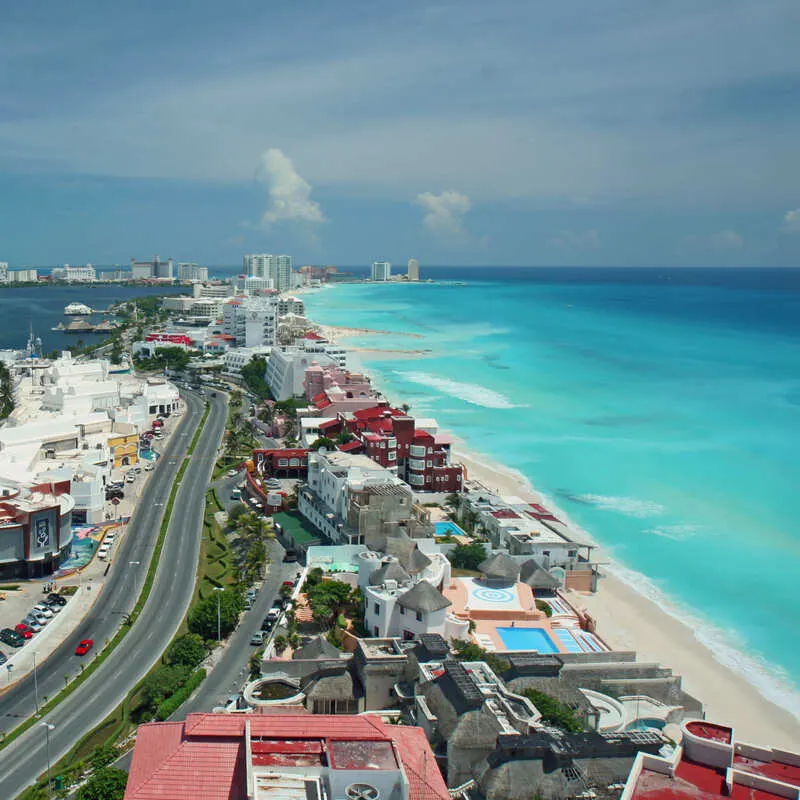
(219, 617)
(9, 667)
(47, 728)
(35, 682)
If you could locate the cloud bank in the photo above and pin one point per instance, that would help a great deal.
(791, 221)
(444, 212)
(289, 193)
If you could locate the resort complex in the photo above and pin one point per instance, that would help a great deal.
(373, 617)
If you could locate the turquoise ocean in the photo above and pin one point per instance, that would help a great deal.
(658, 409)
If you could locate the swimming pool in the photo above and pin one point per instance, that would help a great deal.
(527, 639)
(644, 724)
(447, 529)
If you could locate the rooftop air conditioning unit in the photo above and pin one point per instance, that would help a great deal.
(391, 585)
(362, 791)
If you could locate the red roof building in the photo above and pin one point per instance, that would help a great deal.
(711, 764)
(282, 757)
(390, 438)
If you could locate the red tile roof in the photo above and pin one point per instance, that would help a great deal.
(205, 755)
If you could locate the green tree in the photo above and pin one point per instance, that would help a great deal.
(235, 513)
(6, 392)
(554, 711)
(344, 437)
(469, 651)
(106, 784)
(116, 352)
(162, 683)
(103, 755)
(188, 650)
(322, 441)
(253, 376)
(467, 556)
(203, 617)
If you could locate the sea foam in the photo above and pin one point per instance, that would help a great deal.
(629, 506)
(468, 392)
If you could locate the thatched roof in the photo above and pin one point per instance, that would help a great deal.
(423, 598)
(536, 576)
(405, 549)
(338, 686)
(318, 648)
(391, 572)
(500, 567)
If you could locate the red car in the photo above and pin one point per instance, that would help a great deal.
(84, 647)
(24, 631)
(158, 423)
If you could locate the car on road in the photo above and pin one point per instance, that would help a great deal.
(23, 630)
(84, 647)
(32, 623)
(289, 558)
(158, 423)
(268, 624)
(232, 473)
(258, 638)
(11, 637)
(130, 478)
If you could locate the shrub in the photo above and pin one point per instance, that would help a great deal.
(554, 711)
(542, 606)
(106, 784)
(169, 706)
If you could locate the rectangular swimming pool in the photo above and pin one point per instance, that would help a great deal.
(447, 528)
(527, 639)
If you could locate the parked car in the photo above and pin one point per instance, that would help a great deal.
(289, 558)
(11, 637)
(32, 623)
(232, 473)
(149, 466)
(51, 605)
(39, 617)
(84, 647)
(268, 624)
(258, 638)
(130, 478)
(158, 423)
(57, 598)
(23, 630)
(44, 610)
(3, 657)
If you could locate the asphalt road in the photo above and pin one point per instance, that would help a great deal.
(26, 758)
(231, 671)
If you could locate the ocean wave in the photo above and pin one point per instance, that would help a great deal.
(629, 506)
(678, 533)
(468, 392)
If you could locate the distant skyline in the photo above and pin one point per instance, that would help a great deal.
(456, 132)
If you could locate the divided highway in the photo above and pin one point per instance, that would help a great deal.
(26, 758)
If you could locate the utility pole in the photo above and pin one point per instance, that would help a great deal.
(47, 728)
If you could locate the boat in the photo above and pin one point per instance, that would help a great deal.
(59, 327)
(77, 310)
(79, 326)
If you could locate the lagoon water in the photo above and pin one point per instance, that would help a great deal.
(659, 409)
(42, 308)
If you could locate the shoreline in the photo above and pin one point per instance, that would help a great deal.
(627, 618)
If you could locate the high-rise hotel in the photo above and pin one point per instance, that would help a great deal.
(278, 269)
(381, 270)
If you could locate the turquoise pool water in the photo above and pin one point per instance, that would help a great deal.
(643, 724)
(527, 639)
(448, 529)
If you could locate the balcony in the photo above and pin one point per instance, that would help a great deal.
(417, 464)
(416, 450)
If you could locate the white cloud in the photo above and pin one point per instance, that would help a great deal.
(577, 240)
(289, 193)
(791, 221)
(444, 212)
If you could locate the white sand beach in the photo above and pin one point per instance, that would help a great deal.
(629, 620)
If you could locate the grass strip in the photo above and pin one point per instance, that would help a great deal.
(131, 618)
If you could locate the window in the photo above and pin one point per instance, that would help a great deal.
(430, 463)
(407, 636)
(419, 616)
(377, 608)
(375, 631)
(572, 553)
(402, 609)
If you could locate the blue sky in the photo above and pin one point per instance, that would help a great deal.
(531, 133)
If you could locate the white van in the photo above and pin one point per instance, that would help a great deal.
(103, 551)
